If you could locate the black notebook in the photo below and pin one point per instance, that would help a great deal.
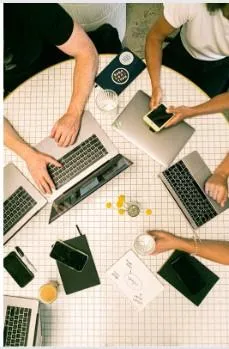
(120, 72)
(74, 281)
(189, 276)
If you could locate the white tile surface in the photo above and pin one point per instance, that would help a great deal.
(99, 316)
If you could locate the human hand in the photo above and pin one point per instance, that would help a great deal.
(164, 241)
(156, 98)
(66, 129)
(216, 188)
(180, 113)
(37, 165)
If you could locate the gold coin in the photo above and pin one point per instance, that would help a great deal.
(148, 212)
(121, 200)
(121, 211)
(108, 205)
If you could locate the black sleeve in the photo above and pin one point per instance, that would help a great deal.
(53, 22)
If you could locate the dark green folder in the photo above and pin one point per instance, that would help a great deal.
(189, 276)
(74, 281)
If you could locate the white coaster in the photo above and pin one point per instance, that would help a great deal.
(126, 58)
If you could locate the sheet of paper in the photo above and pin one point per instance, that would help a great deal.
(135, 280)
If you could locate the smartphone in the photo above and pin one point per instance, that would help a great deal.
(157, 118)
(68, 255)
(17, 269)
(188, 274)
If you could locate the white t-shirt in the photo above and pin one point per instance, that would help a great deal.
(204, 35)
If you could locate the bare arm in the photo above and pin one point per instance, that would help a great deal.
(214, 250)
(82, 49)
(36, 162)
(153, 53)
(217, 104)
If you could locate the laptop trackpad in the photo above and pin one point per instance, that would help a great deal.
(49, 146)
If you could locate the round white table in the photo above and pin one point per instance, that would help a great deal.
(102, 316)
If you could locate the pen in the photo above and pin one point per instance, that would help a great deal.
(21, 253)
(77, 227)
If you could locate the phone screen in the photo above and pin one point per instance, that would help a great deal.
(188, 274)
(159, 116)
(69, 256)
(17, 269)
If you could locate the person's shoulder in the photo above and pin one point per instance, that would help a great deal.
(185, 9)
(179, 14)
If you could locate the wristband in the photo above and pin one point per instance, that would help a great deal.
(196, 239)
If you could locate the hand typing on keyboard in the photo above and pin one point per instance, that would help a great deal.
(37, 164)
(66, 129)
(216, 186)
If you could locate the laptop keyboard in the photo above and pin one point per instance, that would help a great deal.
(77, 160)
(189, 193)
(16, 326)
(16, 207)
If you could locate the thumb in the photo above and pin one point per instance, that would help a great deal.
(53, 131)
(171, 109)
(154, 233)
(152, 104)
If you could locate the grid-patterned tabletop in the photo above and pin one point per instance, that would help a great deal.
(101, 316)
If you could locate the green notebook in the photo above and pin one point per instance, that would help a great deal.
(74, 281)
(189, 276)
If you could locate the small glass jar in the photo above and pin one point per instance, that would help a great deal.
(144, 244)
(48, 292)
(107, 102)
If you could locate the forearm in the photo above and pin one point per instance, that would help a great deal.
(153, 54)
(217, 104)
(14, 142)
(217, 251)
(83, 79)
(223, 168)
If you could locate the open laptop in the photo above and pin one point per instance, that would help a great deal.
(185, 181)
(88, 164)
(21, 201)
(92, 149)
(162, 146)
(22, 324)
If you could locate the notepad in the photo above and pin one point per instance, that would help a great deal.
(135, 280)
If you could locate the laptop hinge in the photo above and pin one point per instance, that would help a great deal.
(88, 185)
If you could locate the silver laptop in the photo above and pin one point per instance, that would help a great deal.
(21, 201)
(162, 146)
(22, 323)
(185, 181)
(92, 149)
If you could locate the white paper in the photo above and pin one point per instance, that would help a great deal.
(135, 280)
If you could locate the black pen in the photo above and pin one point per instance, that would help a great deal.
(21, 253)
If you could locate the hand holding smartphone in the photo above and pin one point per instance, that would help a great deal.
(157, 118)
(68, 255)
